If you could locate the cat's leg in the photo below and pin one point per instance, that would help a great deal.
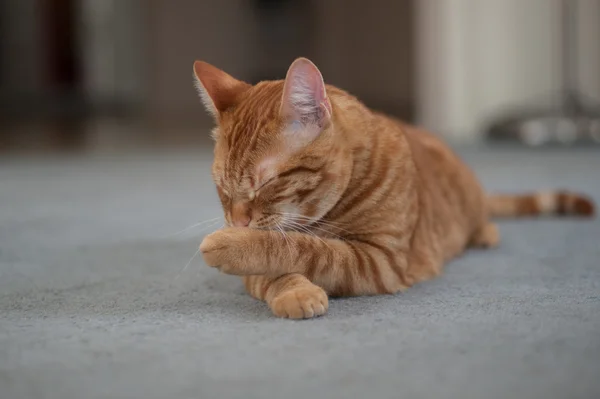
(373, 265)
(487, 236)
(290, 296)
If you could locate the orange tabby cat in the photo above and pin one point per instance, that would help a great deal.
(326, 197)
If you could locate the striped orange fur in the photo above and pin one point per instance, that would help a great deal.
(325, 197)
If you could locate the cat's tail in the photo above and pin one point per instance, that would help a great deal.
(540, 203)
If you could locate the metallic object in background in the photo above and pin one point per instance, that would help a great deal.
(575, 122)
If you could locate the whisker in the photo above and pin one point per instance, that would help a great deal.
(211, 226)
(328, 232)
(317, 225)
(298, 228)
(286, 238)
(298, 216)
(307, 231)
(312, 222)
(188, 264)
(192, 227)
(327, 224)
(301, 227)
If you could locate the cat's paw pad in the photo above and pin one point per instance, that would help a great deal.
(300, 303)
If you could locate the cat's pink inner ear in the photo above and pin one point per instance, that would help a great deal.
(218, 90)
(304, 97)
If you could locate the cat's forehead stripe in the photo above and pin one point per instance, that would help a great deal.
(250, 122)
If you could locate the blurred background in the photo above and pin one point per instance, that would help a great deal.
(87, 75)
(106, 194)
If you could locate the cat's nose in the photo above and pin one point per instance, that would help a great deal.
(240, 214)
(241, 222)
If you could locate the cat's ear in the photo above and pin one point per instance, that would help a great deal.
(218, 90)
(304, 103)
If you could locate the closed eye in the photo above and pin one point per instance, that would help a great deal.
(289, 172)
(272, 179)
(298, 169)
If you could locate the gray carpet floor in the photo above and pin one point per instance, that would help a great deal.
(94, 302)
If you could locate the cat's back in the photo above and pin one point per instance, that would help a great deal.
(450, 191)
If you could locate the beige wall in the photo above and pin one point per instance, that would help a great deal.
(479, 57)
(589, 48)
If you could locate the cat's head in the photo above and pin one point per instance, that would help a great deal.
(278, 161)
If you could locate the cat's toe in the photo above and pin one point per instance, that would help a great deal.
(300, 303)
(219, 248)
(212, 251)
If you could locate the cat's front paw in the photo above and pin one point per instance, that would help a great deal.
(303, 302)
(227, 249)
